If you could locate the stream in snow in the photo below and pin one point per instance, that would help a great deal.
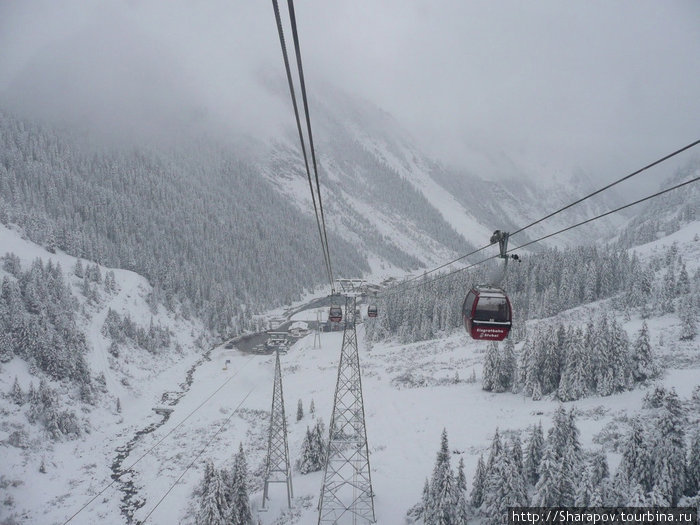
(130, 501)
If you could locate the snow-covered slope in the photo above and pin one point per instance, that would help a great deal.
(366, 159)
(136, 379)
(411, 393)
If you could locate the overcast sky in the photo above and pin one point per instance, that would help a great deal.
(595, 85)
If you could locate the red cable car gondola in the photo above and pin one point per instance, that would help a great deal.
(487, 313)
(372, 311)
(335, 315)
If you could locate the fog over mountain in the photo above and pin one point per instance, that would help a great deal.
(502, 90)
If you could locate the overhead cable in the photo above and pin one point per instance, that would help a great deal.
(618, 181)
(115, 477)
(320, 222)
(199, 454)
(302, 84)
(445, 275)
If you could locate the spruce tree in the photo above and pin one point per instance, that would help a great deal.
(461, 486)
(637, 461)
(300, 411)
(585, 489)
(533, 454)
(425, 499)
(599, 467)
(689, 319)
(321, 444)
(669, 467)
(476, 496)
(637, 497)
(643, 366)
(213, 508)
(518, 482)
(16, 393)
(239, 511)
(507, 368)
(491, 367)
(461, 479)
(683, 282)
(504, 488)
(461, 514)
(443, 497)
(309, 454)
(494, 452)
(693, 466)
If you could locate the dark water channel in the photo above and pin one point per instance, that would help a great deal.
(125, 478)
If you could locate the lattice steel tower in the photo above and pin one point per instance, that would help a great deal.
(277, 469)
(346, 494)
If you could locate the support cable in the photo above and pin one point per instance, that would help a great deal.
(197, 456)
(116, 477)
(444, 275)
(321, 231)
(618, 181)
(295, 35)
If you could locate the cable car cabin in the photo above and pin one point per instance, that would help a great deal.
(487, 314)
(336, 314)
(372, 311)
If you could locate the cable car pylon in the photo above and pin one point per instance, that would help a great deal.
(277, 468)
(346, 494)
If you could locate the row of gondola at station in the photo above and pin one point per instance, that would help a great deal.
(335, 314)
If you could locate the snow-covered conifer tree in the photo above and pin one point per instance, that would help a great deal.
(443, 497)
(495, 450)
(239, 511)
(668, 291)
(637, 461)
(16, 393)
(637, 497)
(683, 282)
(533, 453)
(476, 496)
(300, 411)
(688, 315)
(213, 508)
(504, 488)
(461, 479)
(693, 466)
(576, 374)
(585, 488)
(491, 366)
(643, 366)
(78, 269)
(669, 454)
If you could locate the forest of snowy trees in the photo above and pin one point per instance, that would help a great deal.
(192, 221)
(38, 321)
(545, 284)
(122, 329)
(571, 363)
(223, 494)
(207, 229)
(660, 466)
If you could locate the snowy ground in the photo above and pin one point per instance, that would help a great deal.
(410, 395)
(403, 423)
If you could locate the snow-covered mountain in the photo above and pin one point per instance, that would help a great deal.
(220, 231)
(367, 158)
